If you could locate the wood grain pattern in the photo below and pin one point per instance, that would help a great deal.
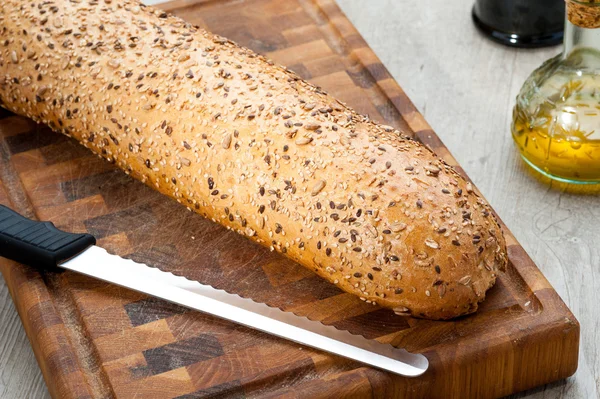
(93, 339)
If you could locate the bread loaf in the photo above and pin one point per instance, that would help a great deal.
(255, 148)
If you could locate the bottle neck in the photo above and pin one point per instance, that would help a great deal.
(578, 38)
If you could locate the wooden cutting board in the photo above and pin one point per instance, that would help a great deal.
(96, 340)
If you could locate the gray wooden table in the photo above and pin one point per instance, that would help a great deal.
(465, 86)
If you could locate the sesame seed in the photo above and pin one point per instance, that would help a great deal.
(304, 140)
(318, 187)
(432, 170)
(398, 227)
(402, 311)
(113, 63)
(466, 280)
(432, 243)
(226, 143)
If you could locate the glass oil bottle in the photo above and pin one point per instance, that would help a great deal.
(556, 121)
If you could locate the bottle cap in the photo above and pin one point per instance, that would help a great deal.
(584, 13)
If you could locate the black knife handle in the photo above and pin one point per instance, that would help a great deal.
(38, 244)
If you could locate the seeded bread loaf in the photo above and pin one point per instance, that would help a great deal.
(255, 148)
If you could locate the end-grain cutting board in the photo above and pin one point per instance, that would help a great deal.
(96, 340)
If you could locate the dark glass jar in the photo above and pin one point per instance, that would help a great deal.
(521, 23)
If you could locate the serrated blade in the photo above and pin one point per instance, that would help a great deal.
(97, 262)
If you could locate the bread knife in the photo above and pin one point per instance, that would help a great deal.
(43, 246)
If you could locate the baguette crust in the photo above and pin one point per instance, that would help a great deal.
(255, 148)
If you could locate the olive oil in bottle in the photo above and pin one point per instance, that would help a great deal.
(556, 121)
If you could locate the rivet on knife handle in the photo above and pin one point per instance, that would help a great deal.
(38, 244)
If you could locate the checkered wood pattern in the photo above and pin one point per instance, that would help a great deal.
(93, 339)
